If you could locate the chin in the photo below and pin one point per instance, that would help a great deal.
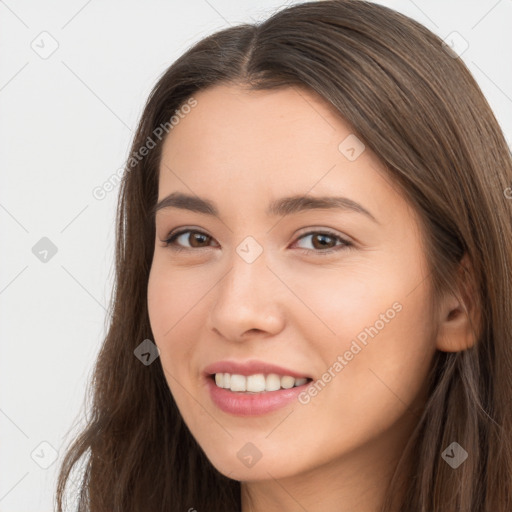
(235, 467)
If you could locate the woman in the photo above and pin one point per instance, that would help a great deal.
(245, 371)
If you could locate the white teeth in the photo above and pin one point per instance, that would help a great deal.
(287, 382)
(272, 382)
(257, 383)
(238, 383)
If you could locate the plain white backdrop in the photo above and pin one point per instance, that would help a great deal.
(73, 80)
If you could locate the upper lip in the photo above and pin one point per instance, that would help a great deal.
(250, 368)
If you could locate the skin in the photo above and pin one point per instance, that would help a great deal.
(299, 309)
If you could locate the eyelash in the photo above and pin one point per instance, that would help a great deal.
(345, 244)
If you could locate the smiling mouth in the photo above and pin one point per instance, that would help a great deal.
(257, 383)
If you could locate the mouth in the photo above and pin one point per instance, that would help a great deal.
(254, 395)
(257, 383)
(253, 387)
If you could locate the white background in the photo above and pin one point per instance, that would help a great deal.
(66, 125)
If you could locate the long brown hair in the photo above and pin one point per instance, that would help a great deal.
(415, 104)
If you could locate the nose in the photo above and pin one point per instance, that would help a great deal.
(248, 301)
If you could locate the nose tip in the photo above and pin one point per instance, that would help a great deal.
(245, 303)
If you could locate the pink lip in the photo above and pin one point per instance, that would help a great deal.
(251, 404)
(250, 368)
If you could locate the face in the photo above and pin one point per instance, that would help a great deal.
(335, 292)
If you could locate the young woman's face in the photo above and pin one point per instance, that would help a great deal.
(336, 291)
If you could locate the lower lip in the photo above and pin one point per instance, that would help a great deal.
(249, 404)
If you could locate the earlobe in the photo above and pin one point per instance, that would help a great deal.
(459, 315)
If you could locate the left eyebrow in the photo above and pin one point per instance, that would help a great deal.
(279, 207)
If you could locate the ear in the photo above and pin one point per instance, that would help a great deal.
(460, 314)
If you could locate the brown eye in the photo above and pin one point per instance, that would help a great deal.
(321, 241)
(196, 239)
(324, 242)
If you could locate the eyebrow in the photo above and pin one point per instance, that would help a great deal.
(279, 207)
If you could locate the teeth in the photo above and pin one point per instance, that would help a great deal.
(238, 383)
(272, 382)
(287, 382)
(257, 383)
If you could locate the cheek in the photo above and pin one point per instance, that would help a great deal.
(176, 313)
(175, 309)
(173, 294)
(377, 297)
(374, 342)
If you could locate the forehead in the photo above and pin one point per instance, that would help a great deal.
(233, 124)
(253, 146)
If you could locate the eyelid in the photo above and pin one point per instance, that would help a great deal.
(325, 231)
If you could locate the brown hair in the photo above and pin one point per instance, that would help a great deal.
(418, 108)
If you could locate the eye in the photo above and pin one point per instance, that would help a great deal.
(322, 240)
(198, 238)
(321, 244)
